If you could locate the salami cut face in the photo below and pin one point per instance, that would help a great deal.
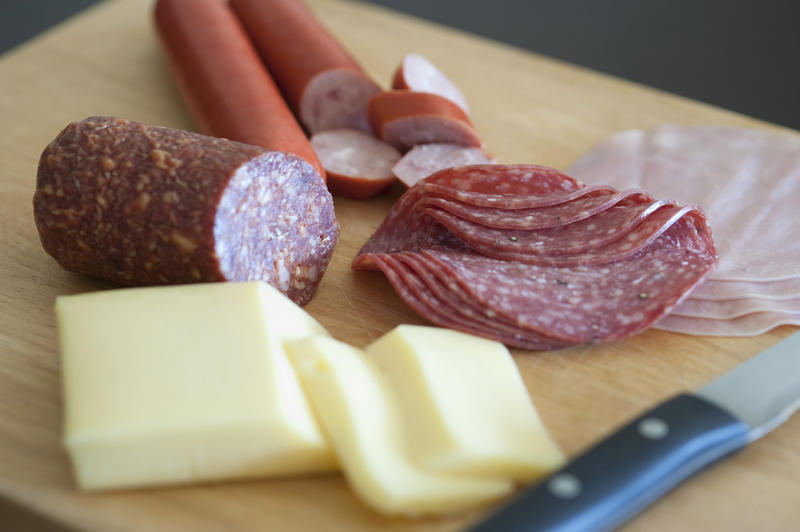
(144, 205)
(604, 277)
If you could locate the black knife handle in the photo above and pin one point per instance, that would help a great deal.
(626, 472)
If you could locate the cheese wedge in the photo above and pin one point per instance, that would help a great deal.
(357, 409)
(185, 383)
(464, 404)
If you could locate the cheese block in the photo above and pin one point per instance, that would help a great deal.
(360, 414)
(464, 403)
(185, 383)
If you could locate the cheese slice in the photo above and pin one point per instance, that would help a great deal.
(185, 383)
(464, 403)
(358, 410)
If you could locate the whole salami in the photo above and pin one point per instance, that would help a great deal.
(145, 205)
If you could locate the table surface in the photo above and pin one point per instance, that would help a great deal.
(529, 109)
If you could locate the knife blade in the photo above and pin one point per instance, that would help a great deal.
(626, 472)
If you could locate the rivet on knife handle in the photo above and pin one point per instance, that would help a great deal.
(626, 472)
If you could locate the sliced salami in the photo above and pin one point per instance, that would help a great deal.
(459, 303)
(417, 73)
(358, 165)
(426, 159)
(417, 294)
(529, 304)
(607, 236)
(583, 304)
(591, 201)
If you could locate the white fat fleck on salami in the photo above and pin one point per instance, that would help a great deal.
(734, 308)
(747, 325)
(425, 159)
(747, 181)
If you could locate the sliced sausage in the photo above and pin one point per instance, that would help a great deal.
(405, 119)
(322, 82)
(144, 205)
(417, 73)
(426, 159)
(358, 165)
(220, 76)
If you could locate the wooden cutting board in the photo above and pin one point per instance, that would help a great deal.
(529, 109)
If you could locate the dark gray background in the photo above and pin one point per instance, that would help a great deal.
(743, 55)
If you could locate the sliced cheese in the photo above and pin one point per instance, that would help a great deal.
(361, 416)
(464, 403)
(185, 383)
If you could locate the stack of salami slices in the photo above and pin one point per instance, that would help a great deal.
(531, 257)
(748, 183)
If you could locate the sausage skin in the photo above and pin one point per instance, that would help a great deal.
(223, 81)
(407, 118)
(145, 205)
(322, 82)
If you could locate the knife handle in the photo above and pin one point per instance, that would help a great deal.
(626, 472)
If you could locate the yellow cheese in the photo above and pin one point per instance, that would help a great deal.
(360, 414)
(464, 403)
(185, 383)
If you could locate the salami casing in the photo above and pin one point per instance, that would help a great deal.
(145, 205)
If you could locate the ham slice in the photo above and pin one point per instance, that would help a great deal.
(748, 183)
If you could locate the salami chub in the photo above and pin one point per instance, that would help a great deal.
(145, 205)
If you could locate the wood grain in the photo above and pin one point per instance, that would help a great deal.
(529, 109)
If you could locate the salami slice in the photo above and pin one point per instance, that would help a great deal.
(517, 186)
(607, 236)
(584, 304)
(145, 205)
(747, 325)
(417, 294)
(426, 159)
(458, 303)
(591, 201)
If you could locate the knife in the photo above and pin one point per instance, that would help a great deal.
(626, 472)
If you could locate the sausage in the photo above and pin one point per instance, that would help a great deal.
(144, 205)
(425, 159)
(406, 118)
(322, 82)
(358, 165)
(417, 73)
(221, 78)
